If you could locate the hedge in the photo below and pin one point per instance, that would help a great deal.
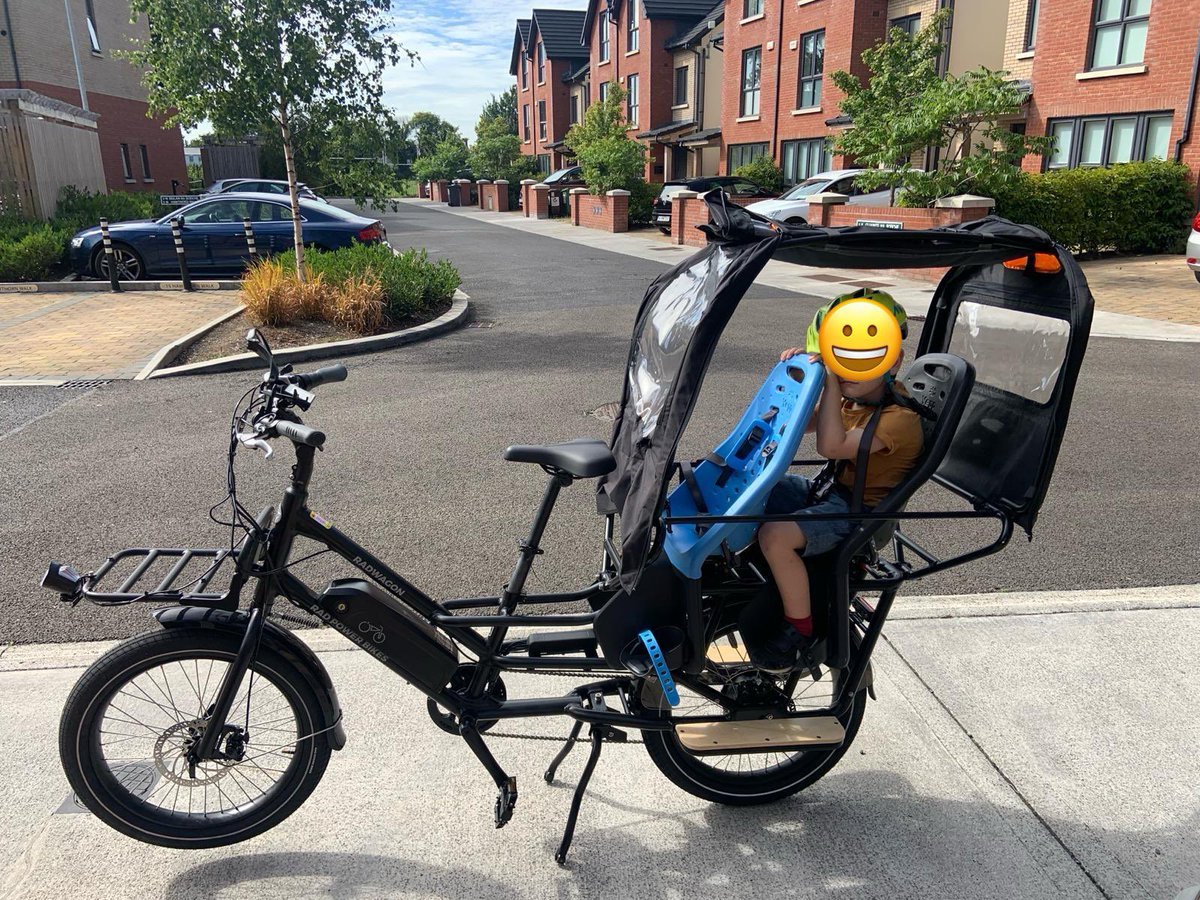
(1130, 208)
(30, 254)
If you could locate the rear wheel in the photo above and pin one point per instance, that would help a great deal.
(743, 779)
(131, 719)
(796, 220)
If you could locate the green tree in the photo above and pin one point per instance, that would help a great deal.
(496, 154)
(427, 130)
(238, 64)
(503, 107)
(608, 158)
(448, 160)
(906, 106)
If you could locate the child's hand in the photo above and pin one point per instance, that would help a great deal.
(790, 352)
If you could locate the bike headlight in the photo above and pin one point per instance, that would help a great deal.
(76, 243)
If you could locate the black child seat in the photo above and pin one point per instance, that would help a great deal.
(582, 458)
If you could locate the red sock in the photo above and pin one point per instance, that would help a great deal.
(803, 625)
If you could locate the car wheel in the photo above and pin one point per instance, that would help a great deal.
(128, 264)
(1197, 274)
(796, 220)
(666, 230)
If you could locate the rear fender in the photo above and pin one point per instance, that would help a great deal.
(278, 639)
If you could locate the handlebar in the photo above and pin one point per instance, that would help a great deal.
(300, 434)
(324, 375)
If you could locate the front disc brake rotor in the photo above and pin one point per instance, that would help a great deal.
(183, 743)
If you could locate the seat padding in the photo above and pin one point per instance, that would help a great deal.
(583, 458)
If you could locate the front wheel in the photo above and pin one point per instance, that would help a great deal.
(131, 719)
(744, 779)
(128, 264)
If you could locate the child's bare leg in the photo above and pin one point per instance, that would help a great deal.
(780, 542)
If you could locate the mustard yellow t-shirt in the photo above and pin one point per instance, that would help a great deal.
(899, 430)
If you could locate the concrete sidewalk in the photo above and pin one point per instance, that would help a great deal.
(1012, 754)
(1122, 310)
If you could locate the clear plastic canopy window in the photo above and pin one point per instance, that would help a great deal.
(1015, 351)
(666, 334)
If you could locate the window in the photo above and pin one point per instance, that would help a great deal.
(632, 102)
(93, 34)
(541, 52)
(751, 8)
(812, 68)
(145, 162)
(1119, 33)
(126, 165)
(220, 212)
(603, 91)
(1031, 20)
(1107, 140)
(574, 109)
(910, 25)
(681, 86)
(604, 48)
(740, 154)
(632, 36)
(751, 74)
(525, 121)
(524, 71)
(541, 120)
(803, 159)
(271, 212)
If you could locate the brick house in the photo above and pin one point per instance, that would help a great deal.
(547, 54)
(70, 60)
(628, 43)
(1112, 80)
(694, 145)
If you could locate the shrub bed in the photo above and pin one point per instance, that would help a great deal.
(366, 288)
(1130, 208)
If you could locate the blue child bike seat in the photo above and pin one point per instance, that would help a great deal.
(737, 477)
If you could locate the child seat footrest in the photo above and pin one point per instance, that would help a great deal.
(760, 735)
(553, 643)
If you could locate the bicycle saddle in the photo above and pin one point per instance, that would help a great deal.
(582, 458)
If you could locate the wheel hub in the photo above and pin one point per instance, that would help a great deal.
(174, 744)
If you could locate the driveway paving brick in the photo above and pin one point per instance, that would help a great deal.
(58, 337)
(1155, 287)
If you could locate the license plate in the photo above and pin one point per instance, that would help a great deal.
(662, 218)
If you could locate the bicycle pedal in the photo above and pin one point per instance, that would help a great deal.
(506, 802)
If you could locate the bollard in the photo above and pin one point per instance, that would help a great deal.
(176, 233)
(250, 239)
(108, 254)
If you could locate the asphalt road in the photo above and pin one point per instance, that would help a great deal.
(412, 466)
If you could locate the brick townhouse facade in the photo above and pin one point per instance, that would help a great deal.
(547, 55)
(1111, 80)
(629, 43)
(37, 54)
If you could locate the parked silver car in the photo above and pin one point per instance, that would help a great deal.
(792, 207)
(1193, 248)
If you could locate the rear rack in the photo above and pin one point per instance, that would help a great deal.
(148, 563)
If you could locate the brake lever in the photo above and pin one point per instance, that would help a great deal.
(252, 440)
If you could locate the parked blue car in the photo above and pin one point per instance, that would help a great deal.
(214, 237)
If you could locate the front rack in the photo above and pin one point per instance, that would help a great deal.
(141, 565)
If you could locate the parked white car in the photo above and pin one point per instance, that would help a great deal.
(1193, 248)
(792, 207)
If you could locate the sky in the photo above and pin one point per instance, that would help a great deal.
(465, 48)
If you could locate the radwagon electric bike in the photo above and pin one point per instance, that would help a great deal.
(217, 725)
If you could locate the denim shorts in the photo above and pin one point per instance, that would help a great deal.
(791, 496)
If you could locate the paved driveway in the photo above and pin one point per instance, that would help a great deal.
(55, 337)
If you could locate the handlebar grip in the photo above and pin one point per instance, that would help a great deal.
(300, 434)
(324, 375)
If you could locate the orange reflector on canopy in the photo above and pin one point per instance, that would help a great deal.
(1043, 264)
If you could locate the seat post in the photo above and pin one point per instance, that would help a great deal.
(531, 546)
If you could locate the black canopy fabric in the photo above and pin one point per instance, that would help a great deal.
(686, 309)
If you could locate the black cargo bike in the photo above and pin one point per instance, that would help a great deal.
(217, 724)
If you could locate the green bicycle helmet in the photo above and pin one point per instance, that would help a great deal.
(812, 342)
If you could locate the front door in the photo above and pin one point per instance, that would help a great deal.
(679, 163)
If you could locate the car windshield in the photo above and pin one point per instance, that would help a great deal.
(807, 188)
(561, 174)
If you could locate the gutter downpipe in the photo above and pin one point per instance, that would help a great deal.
(74, 52)
(701, 76)
(12, 44)
(775, 157)
(1186, 136)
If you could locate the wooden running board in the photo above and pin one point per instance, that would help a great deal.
(728, 654)
(760, 735)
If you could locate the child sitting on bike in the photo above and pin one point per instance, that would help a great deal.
(841, 422)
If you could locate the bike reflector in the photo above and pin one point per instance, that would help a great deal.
(660, 666)
(1038, 263)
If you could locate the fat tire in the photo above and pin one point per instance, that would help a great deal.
(688, 772)
(104, 677)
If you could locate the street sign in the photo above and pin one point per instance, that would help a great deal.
(177, 199)
(895, 226)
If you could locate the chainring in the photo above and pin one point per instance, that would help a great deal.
(460, 681)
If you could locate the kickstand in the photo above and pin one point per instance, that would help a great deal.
(597, 736)
(562, 754)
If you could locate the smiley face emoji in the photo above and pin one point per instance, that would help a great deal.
(860, 339)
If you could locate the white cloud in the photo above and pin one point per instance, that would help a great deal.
(465, 48)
